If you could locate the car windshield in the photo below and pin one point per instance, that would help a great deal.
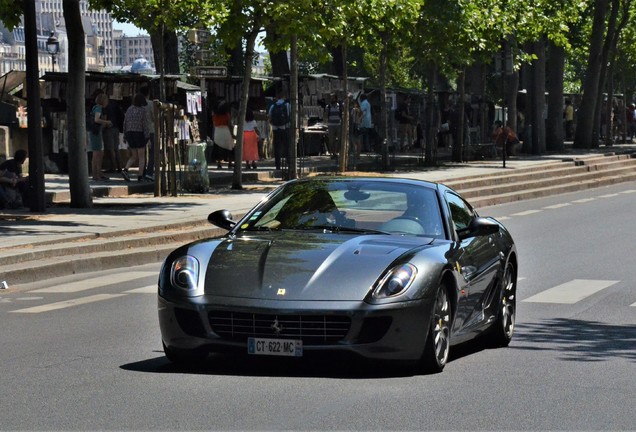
(357, 206)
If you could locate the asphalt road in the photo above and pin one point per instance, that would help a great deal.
(84, 352)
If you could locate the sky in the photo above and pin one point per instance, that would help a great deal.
(129, 29)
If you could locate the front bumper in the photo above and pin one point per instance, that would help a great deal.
(395, 331)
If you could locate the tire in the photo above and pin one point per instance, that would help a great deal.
(185, 357)
(437, 346)
(504, 326)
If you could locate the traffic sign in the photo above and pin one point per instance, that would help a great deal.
(204, 55)
(199, 36)
(210, 71)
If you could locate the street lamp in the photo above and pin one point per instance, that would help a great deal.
(53, 47)
(101, 51)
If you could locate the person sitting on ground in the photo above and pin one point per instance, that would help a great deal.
(505, 134)
(11, 170)
(9, 195)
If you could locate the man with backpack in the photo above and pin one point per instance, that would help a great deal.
(279, 115)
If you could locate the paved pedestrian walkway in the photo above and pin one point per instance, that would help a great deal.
(144, 211)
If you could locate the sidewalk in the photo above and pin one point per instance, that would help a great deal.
(142, 212)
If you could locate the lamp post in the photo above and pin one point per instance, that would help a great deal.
(101, 51)
(53, 47)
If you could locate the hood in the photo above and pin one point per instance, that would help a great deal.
(303, 266)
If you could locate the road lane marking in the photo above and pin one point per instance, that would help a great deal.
(584, 200)
(526, 213)
(633, 305)
(68, 303)
(570, 292)
(612, 195)
(557, 206)
(150, 289)
(96, 282)
(628, 191)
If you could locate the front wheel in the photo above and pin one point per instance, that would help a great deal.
(504, 327)
(437, 346)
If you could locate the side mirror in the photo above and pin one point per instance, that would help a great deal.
(222, 219)
(479, 227)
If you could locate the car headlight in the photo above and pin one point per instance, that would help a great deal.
(184, 274)
(396, 281)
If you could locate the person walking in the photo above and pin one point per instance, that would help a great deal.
(279, 118)
(136, 134)
(223, 136)
(251, 137)
(333, 117)
(366, 123)
(150, 113)
(110, 135)
(95, 141)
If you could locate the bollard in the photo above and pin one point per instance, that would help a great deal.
(4, 285)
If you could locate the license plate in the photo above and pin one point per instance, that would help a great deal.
(275, 347)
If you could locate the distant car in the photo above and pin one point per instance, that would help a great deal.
(384, 268)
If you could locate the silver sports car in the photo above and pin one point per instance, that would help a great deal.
(383, 268)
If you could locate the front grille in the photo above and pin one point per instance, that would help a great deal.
(311, 329)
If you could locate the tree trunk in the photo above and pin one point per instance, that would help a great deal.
(458, 146)
(76, 108)
(432, 123)
(279, 60)
(293, 96)
(585, 115)
(237, 178)
(554, 128)
(384, 115)
(338, 56)
(537, 98)
(344, 135)
(512, 85)
(171, 49)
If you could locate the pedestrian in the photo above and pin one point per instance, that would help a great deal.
(150, 113)
(630, 118)
(12, 169)
(279, 118)
(355, 132)
(366, 123)
(333, 117)
(96, 143)
(136, 132)
(251, 138)
(569, 120)
(110, 135)
(223, 135)
(405, 125)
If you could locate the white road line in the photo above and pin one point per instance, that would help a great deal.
(150, 289)
(503, 218)
(68, 303)
(526, 213)
(584, 200)
(94, 282)
(570, 292)
(557, 206)
(629, 191)
(612, 195)
(633, 305)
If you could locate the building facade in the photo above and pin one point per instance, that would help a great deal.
(105, 49)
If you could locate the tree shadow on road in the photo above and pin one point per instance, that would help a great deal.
(578, 340)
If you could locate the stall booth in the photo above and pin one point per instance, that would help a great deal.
(314, 94)
(120, 89)
(230, 89)
(13, 114)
